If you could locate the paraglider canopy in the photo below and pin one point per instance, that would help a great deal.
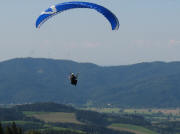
(55, 9)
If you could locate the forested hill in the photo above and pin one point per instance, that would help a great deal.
(25, 80)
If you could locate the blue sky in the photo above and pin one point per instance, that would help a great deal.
(149, 31)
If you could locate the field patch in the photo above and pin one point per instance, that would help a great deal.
(55, 117)
(134, 111)
(19, 122)
(131, 128)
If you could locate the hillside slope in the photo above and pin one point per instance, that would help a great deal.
(27, 80)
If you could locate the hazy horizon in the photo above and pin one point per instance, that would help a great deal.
(45, 58)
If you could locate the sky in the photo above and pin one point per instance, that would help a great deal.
(149, 31)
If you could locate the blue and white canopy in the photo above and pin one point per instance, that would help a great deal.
(55, 9)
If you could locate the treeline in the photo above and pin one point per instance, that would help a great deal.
(90, 129)
(11, 114)
(100, 119)
(130, 119)
(92, 118)
(45, 107)
(12, 129)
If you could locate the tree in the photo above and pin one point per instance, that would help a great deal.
(19, 130)
(14, 128)
(1, 129)
(8, 130)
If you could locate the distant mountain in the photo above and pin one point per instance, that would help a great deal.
(26, 80)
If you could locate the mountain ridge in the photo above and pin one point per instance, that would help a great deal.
(147, 84)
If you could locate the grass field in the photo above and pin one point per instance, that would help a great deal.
(71, 130)
(19, 122)
(153, 114)
(105, 110)
(55, 117)
(154, 111)
(131, 128)
(140, 111)
(49, 127)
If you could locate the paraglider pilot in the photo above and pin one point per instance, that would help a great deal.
(73, 79)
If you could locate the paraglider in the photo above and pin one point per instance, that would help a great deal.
(55, 9)
(73, 79)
